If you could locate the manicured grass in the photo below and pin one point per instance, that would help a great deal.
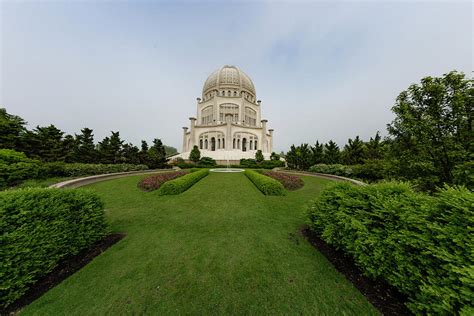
(222, 247)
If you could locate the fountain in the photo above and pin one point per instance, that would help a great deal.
(227, 168)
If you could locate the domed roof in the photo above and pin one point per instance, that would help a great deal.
(229, 77)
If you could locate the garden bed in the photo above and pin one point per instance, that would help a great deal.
(154, 182)
(62, 271)
(290, 182)
(387, 299)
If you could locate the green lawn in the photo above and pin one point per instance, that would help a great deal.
(221, 247)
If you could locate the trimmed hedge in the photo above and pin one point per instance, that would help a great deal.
(181, 184)
(154, 182)
(266, 164)
(87, 169)
(39, 227)
(420, 244)
(267, 185)
(371, 170)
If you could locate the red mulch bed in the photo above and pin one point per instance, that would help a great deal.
(64, 269)
(290, 182)
(387, 299)
(154, 182)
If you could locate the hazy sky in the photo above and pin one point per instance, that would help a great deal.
(323, 70)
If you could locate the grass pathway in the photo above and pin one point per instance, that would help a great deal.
(220, 248)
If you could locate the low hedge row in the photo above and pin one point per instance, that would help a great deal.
(371, 170)
(183, 183)
(266, 164)
(290, 182)
(15, 167)
(267, 185)
(60, 169)
(39, 227)
(154, 182)
(420, 244)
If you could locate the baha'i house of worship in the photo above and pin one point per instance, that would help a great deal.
(229, 125)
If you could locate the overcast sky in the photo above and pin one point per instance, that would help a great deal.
(323, 70)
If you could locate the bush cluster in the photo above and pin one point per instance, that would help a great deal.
(16, 167)
(83, 169)
(290, 182)
(266, 164)
(183, 183)
(39, 227)
(418, 243)
(267, 185)
(154, 182)
(371, 171)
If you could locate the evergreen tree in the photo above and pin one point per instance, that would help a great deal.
(353, 152)
(12, 128)
(332, 154)
(374, 148)
(143, 154)
(195, 154)
(45, 143)
(69, 148)
(105, 154)
(259, 156)
(157, 155)
(317, 152)
(130, 154)
(85, 148)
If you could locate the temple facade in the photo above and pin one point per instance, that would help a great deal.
(228, 125)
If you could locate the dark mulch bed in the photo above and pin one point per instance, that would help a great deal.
(64, 269)
(387, 299)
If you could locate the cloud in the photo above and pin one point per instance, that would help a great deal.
(323, 70)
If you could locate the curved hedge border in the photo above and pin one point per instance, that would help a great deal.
(181, 184)
(39, 227)
(267, 185)
(418, 243)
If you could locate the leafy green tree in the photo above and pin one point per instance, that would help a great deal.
(317, 153)
(195, 154)
(332, 154)
(259, 156)
(157, 155)
(170, 151)
(11, 129)
(432, 132)
(274, 156)
(353, 153)
(85, 148)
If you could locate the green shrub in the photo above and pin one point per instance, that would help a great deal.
(420, 244)
(183, 183)
(267, 185)
(207, 162)
(85, 169)
(16, 167)
(335, 169)
(266, 164)
(39, 227)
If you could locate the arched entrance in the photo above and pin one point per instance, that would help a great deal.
(244, 144)
(213, 144)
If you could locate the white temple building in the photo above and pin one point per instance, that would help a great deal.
(228, 125)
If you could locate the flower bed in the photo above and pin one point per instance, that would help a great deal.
(290, 182)
(154, 182)
(267, 185)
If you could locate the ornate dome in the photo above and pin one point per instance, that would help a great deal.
(229, 77)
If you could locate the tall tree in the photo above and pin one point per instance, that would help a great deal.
(85, 148)
(130, 154)
(432, 131)
(157, 155)
(45, 143)
(11, 129)
(374, 148)
(259, 156)
(69, 148)
(143, 154)
(317, 152)
(353, 152)
(332, 154)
